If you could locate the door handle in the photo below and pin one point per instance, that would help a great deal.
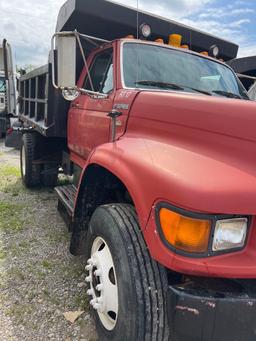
(114, 114)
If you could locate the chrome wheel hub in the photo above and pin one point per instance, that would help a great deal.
(102, 282)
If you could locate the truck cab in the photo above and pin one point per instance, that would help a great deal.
(159, 140)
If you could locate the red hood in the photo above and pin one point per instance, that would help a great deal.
(201, 145)
(216, 114)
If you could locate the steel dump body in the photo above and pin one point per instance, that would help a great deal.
(41, 105)
(245, 66)
(108, 20)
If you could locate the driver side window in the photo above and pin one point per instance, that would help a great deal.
(101, 72)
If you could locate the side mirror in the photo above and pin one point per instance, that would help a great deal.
(66, 61)
(64, 43)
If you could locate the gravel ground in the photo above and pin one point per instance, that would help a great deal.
(39, 279)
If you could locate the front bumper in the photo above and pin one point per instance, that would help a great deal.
(200, 315)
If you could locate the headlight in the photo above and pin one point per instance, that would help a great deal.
(229, 234)
(204, 235)
(185, 233)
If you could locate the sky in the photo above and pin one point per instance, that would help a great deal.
(29, 24)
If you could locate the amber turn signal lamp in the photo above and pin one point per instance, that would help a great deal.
(130, 36)
(204, 53)
(185, 233)
(185, 46)
(175, 40)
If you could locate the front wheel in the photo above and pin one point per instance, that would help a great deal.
(127, 288)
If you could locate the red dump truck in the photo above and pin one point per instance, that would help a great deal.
(159, 136)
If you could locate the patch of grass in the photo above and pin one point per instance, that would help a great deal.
(19, 312)
(72, 270)
(55, 237)
(10, 181)
(38, 272)
(10, 216)
(2, 254)
(47, 264)
(7, 170)
(16, 273)
(81, 300)
(19, 248)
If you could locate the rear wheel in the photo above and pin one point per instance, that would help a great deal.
(127, 288)
(30, 173)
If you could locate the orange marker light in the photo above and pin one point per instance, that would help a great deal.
(175, 40)
(185, 233)
(205, 53)
(185, 47)
(130, 36)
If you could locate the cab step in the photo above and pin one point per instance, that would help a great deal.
(66, 203)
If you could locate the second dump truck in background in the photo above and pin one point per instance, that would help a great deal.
(7, 87)
(160, 142)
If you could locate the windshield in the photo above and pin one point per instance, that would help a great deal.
(2, 84)
(150, 66)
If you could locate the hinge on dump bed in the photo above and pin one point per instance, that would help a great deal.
(66, 203)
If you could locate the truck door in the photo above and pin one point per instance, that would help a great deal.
(89, 125)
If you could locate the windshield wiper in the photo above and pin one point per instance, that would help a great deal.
(172, 86)
(228, 94)
(199, 90)
(158, 84)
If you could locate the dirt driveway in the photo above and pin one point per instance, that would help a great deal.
(39, 279)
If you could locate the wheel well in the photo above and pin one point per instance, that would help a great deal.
(99, 187)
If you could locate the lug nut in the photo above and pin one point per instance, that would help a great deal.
(97, 272)
(99, 287)
(96, 306)
(100, 300)
(94, 262)
(93, 302)
(88, 279)
(89, 292)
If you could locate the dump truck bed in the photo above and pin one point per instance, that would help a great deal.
(245, 66)
(109, 20)
(41, 106)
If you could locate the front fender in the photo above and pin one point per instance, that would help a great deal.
(154, 171)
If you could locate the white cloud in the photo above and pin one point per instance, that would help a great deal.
(173, 9)
(223, 12)
(28, 27)
(247, 50)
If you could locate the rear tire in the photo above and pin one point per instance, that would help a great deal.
(30, 173)
(141, 282)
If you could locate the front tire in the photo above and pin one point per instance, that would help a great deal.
(127, 288)
(30, 173)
